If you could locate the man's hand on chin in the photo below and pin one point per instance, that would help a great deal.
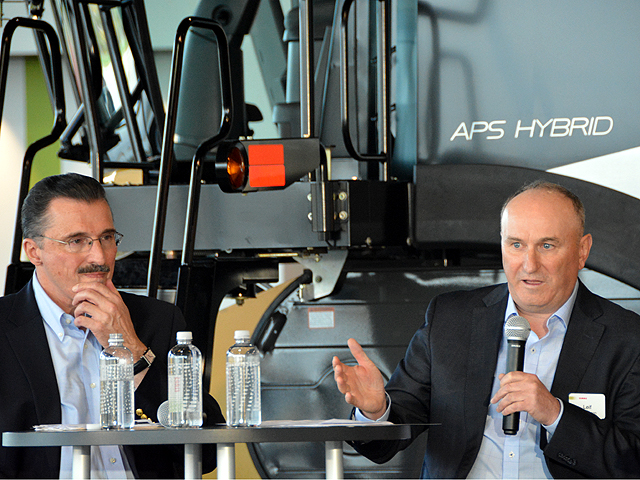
(99, 307)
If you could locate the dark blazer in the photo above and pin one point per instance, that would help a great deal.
(447, 375)
(29, 392)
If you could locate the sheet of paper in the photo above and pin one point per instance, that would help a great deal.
(333, 422)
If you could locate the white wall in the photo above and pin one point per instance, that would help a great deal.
(12, 148)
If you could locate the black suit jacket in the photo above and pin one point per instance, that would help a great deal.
(447, 375)
(29, 392)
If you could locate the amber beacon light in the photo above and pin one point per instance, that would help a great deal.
(254, 165)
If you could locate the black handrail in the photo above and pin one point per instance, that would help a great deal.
(80, 22)
(197, 165)
(126, 98)
(383, 87)
(57, 89)
(166, 157)
(197, 168)
(137, 31)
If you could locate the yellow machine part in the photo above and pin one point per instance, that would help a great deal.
(237, 317)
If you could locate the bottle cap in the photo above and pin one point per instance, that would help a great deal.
(115, 338)
(240, 334)
(184, 336)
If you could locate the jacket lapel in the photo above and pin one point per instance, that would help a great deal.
(486, 334)
(581, 340)
(30, 346)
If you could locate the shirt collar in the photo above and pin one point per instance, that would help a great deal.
(563, 313)
(51, 313)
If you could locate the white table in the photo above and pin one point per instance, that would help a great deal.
(224, 437)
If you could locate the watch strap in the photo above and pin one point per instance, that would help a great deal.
(145, 361)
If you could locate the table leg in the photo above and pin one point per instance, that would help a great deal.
(81, 462)
(192, 461)
(333, 460)
(226, 460)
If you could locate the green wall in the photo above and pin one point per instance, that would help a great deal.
(39, 121)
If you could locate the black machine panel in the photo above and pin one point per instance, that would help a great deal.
(381, 308)
(460, 205)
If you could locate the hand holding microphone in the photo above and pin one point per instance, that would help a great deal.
(519, 391)
(516, 331)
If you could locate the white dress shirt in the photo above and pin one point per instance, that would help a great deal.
(75, 354)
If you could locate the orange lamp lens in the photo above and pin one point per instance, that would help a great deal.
(236, 168)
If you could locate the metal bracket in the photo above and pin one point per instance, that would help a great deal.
(326, 270)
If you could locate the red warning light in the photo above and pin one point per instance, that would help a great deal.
(244, 166)
(266, 163)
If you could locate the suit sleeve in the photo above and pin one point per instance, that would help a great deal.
(410, 391)
(607, 448)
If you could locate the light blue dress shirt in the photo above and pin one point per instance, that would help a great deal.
(75, 354)
(518, 456)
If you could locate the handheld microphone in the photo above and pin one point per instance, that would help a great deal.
(163, 414)
(517, 331)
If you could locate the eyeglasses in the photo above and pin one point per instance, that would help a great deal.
(84, 244)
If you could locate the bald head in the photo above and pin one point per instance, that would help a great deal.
(550, 189)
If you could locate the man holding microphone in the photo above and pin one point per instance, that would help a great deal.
(578, 394)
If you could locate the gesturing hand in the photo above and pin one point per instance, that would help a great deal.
(362, 385)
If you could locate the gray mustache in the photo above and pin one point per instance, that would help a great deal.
(94, 268)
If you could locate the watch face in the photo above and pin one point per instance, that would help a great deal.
(149, 356)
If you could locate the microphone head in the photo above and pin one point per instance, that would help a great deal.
(517, 329)
(163, 414)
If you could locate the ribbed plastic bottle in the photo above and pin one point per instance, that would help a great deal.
(243, 382)
(116, 385)
(185, 383)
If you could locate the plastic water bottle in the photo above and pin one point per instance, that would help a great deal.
(116, 385)
(185, 383)
(243, 382)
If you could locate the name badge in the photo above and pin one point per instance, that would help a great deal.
(591, 402)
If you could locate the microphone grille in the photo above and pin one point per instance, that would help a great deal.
(517, 329)
(163, 414)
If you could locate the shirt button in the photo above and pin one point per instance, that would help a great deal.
(533, 350)
(511, 454)
(86, 346)
(68, 321)
(92, 385)
(61, 335)
(112, 460)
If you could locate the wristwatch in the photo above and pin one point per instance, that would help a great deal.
(145, 361)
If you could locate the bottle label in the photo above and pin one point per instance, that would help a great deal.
(176, 390)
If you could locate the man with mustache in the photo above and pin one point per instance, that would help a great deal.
(52, 332)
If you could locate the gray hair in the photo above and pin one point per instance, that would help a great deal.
(33, 214)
